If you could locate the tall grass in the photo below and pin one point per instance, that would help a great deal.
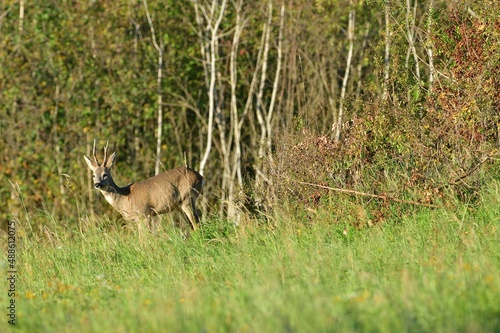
(433, 271)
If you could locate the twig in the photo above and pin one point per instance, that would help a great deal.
(364, 194)
(386, 197)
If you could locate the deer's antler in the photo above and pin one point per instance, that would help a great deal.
(94, 153)
(106, 153)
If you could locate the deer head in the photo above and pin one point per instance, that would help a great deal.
(102, 173)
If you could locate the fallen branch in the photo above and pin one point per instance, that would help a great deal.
(384, 197)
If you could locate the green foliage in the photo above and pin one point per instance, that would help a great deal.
(424, 143)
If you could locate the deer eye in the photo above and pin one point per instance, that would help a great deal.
(105, 176)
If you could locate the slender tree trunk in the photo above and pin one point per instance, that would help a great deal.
(55, 139)
(263, 75)
(235, 176)
(225, 145)
(270, 113)
(410, 30)
(214, 28)
(21, 16)
(350, 38)
(359, 82)
(160, 111)
(385, 86)
(202, 35)
(160, 49)
(430, 45)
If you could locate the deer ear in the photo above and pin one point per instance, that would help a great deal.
(92, 165)
(109, 162)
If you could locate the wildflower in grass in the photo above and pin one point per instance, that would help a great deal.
(29, 295)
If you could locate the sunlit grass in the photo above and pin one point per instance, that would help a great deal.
(436, 270)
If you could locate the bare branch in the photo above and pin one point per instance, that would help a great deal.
(151, 26)
(364, 194)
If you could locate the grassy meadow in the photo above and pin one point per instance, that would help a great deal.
(431, 271)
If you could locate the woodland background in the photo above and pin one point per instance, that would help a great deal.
(394, 98)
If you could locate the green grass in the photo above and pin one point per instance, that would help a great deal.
(434, 271)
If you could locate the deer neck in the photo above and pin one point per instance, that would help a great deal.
(114, 193)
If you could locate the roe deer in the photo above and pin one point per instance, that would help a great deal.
(173, 189)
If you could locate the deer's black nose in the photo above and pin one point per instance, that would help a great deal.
(98, 185)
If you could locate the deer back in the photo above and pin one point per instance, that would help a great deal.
(166, 191)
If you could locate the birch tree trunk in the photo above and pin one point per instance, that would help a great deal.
(160, 49)
(272, 103)
(235, 182)
(430, 45)
(265, 114)
(410, 30)
(213, 27)
(385, 85)
(202, 35)
(21, 16)
(266, 31)
(350, 38)
(160, 110)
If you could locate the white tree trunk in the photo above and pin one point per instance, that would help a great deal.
(410, 30)
(235, 177)
(385, 86)
(160, 49)
(269, 116)
(21, 16)
(213, 27)
(430, 46)
(263, 75)
(350, 38)
(160, 112)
